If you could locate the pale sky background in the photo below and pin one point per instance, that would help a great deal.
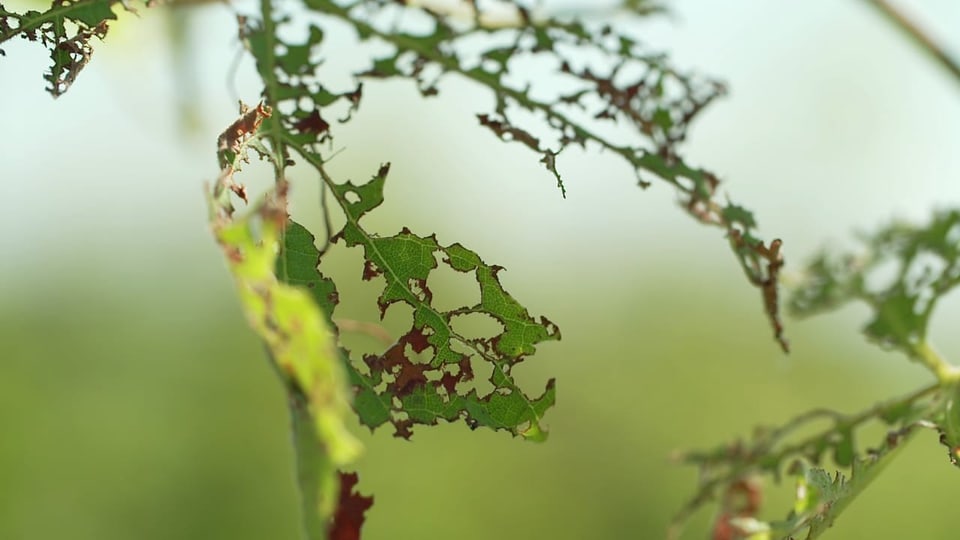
(834, 122)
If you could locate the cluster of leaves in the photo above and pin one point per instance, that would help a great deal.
(66, 30)
(901, 274)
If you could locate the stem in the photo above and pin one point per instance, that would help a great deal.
(919, 37)
(318, 493)
(946, 372)
(311, 460)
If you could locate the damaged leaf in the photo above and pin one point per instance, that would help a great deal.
(425, 377)
(66, 30)
(351, 508)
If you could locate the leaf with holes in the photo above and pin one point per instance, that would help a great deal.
(425, 376)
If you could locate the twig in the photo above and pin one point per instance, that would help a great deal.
(918, 36)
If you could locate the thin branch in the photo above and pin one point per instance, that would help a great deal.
(762, 453)
(921, 38)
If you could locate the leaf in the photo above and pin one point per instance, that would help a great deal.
(297, 265)
(821, 498)
(66, 30)
(901, 273)
(949, 424)
(291, 83)
(400, 387)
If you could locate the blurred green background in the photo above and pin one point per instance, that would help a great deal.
(135, 403)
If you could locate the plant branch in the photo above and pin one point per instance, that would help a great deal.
(761, 262)
(919, 37)
(740, 461)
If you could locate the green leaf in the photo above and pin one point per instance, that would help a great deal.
(297, 265)
(292, 84)
(949, 424)
(844, 453)
(291, 314)
(405, 389)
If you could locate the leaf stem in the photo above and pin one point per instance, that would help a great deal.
(945, 372)
(920, 38)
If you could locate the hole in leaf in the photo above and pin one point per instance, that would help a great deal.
(452, 289)
(476, 326)
(882, 275)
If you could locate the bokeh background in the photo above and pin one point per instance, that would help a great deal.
(135, 403)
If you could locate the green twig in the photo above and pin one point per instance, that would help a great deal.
(945, 372)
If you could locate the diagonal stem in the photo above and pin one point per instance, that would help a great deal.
(920, 38)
